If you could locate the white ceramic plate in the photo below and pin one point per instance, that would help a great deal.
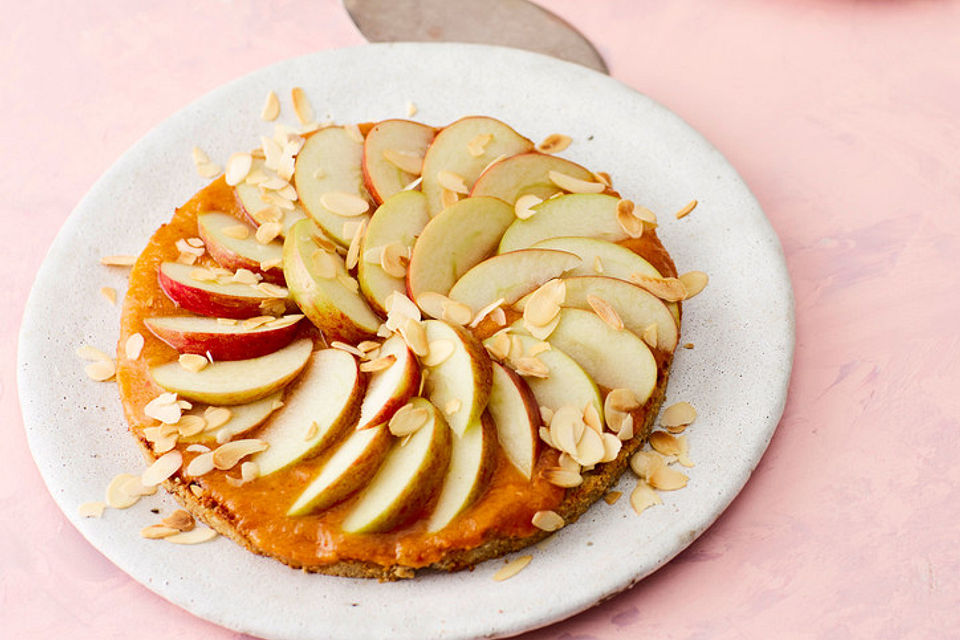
(736, 376)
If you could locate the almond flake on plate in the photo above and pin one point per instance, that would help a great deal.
(118, 260)
(611, 497)
(512, 568)
(301, 105)
(109, 294)
(157, 531)
(643, 496)
(101, 370)
(271, 107)
(194, 536)
(678, 414)
(693, 282)
(162, 468)
(554, 143)
(547, 520)
(179, 520)
(91, 509)
(238, 166)
(117, 496)
(667, 479)
(411, 109)
(563, 478)
(687, 209)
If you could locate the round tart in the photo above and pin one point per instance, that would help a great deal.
(388, 347)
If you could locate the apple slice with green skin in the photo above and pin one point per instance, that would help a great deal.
(239, 253)
(473, 459)
(454, 241)
(614, 359)
(341, 313)
(589, 215)
(202, 335)
(450, 151)
(567, 384)
(237, 381)
(320, 408)
(400, 219)
(382, 177)
(330, 161)
(463, 379)
(510, 276)
(248, 197)
(409, 477)
(514, 410)
(228, 300)
(348, 469)
(243, 418)
(389, 389)
(526, 174)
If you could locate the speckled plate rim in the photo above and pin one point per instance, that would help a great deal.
(736, 376)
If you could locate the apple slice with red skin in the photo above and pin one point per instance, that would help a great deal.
(235, 381)
(454, 241)
(389, 389)
(239, 253)
(348, 469)
(250, 202)
(383, 178)
(229, 300)
(202, 335)
(526, 174)
(473, 459)
(450, 151)
(517, 418)
(320, 409)
(409, 477)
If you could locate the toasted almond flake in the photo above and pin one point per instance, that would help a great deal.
(179, 520)
(485, 311)
(349, 348)
(393, 260)
(605, 311)
(379, 364)
(411, 109)
(230, 322)
(404, 160)
(648, 217)
(249, 471)
(192, 362)
(563, 478)
(311, 431)
(643, 496)
(262, 216)
(512, 568)
(227, 455)
(625, 432)
(543, 306)
(554, 143)
(438, 352)
(688, 345)
(645, 463)
(542, 333)
(456, 312)
(191, 425)
(198, 448)
(271, 107)
(664, 443)
(348, 282)
(237, 231)
(408, 420)
(415, 336)
(516, 347)
(271, 290)
(452, 182)
(668, 289)
(344, 204)
(452, 406)
(546, 414)
(590, 449)
(162, 468)
(524, 206)
(499, 317)
(567, 428)
(547, 520)
(528, 366)
(199, 156)
(677, 414)
(301, 105)
(687, 209)
(267, 265)
(631, 224)
(200, 465)
(478, 143)
(432, 303)
(667, 479)
(245, 276)
(354, 132)
(91, 509)
(196, 490)
(184, 245)
(157, 531)
(238, 166)
(101, 370)
(350, 228)
(203, 275)
(693, 282)
(116, 496)
(574, 185)
(591, 417)
(216, 417)
(324, 264)
(353, 252)
(545, 436)
(268, 232)
(566, 461)
(683, 456)
(118, 260)
(208, 169)
(651, 335)
(612, 497)
(498, 346)
(448, 197)
(109, 294)
(197, 535)
(604, 177)
(611, 447)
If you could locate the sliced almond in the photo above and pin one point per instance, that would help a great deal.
(683, 457)
(415, 336)
(485, 311)
(478, 143)
(605, 311)
(344, 204)
(118, 260)
(554, 143)
(452, 182)
(238, 166)
(563, 478)
(353, 252)
(566, 429)
(197, 535)
(646, 215)
(162, 468)
(452, 406)
(192, 362)
(272, 290)
(667, 479)
(101, 370)
(226, 456)
(543, 332)
(393, 259)
(612, 497)
(91, 353)
(216, 417)
(191, 425)
(631, 224)
(456, 312)
(413, 184)
(604, 177)
(545, 436)
(199, 156)
(523, 208)
(249, 471)
(404, 160)
(547, 520)
(311, 431)
(268, 232)
(591, 417)
(448, 197)
(163, 408)
(664, 443)
(378, 364)
(91, 509)
(200, 465)
(687, 209)
(651, 335)
(237, 231)
(590, 448)
(678, 414)
(439, 351)
(544, 304)
(109, 294)
(620, 400)
(324, 264)
(668, 289)
(645, 463)
(546, 414)
(354, 132)
(529, 366)
(408, 419)
(432, 303)
(208, 169)
(301, 105)
(643, 496)
(574, 185)
(411, 109)
(512, 568)
(693, 282)
(625, 431)
(499, 346)
(157, 531)
(180, 520)
(117, 497)
(271, 107)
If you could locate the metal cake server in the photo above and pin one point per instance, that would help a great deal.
(512, 23)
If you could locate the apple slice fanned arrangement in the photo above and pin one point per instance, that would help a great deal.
(417, 345)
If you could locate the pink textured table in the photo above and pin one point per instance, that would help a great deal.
(842, 116)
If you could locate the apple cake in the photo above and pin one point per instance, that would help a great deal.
(372, 349)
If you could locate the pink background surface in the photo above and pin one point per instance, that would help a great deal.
(844, 119)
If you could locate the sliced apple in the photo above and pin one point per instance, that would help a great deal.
(451, 151)
(251, 201)
(349, 468)
(221, 300)
(514, 410)
(510, 276)
(224, 338)
(590, 215)
(567, 384)
(389, 143)
(462, 381)
(237, 381)
(472, 463)
(454, 241)
(614, 359)
(409, 476)
(243, 418)
(216, 231)
(320, 408)
(389, 389)
(330, 162)
(399, 220)
(322, 288)
(526, 174)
